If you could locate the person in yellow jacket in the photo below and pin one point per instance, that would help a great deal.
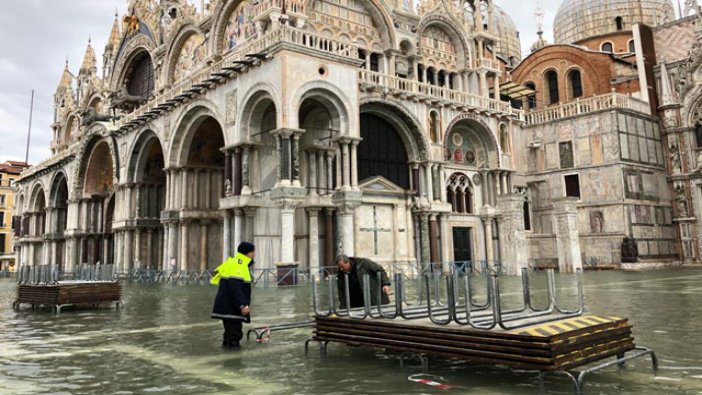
(231, 304)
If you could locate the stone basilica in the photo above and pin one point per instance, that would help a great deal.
(381, 128)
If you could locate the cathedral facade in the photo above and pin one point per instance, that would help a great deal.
(381, 128)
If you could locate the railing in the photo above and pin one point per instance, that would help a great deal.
(579, 107)
(436, 54)
(294, 6)
(436, 92)
(488, 64)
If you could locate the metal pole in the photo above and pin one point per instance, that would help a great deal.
(29, 132)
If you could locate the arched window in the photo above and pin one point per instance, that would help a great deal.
(531, 99)
(698, 135)
(382, 152)
(431, 78)
(374, 62)
(420, 73)
(607, 47)
(576, 83)
(632, 46)
(442, 78)
(552, 84)
(140, 77)
(619, 23)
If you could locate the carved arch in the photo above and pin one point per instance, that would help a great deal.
(176, 46)
(188, 123)
(453, 30)
(129, 51)
(94, 137)
(406, 124)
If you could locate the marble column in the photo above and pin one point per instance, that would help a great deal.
(228, 182)
(184, 244)
(514, 251)
(287, 238)
(150, 249)
(346, 229)
(424, 239)
(312, 172)
(227, 241)
(128, 250)
(434, 239)
(245, 165)
(346, 167)
(329, 253)
(250, 216)
(138, 264)
(488, 215)
(565, 223)
(354, 164)
(172, 256)
(238, 227)
(321, 174)
(429, 181)
(203, 247)
(295, 160)
(313, 241)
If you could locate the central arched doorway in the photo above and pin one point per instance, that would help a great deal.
(59, 214)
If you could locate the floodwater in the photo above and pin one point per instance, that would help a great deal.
(163, 341)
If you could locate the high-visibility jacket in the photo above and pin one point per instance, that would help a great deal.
(234, 267)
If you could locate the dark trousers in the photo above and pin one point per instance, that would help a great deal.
(232, 332)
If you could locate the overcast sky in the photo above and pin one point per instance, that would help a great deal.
(37, 36)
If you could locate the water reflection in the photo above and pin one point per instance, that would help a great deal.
(163, 341)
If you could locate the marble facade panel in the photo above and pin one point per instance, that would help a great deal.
(552, 156)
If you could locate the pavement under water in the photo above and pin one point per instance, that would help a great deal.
(163, 341)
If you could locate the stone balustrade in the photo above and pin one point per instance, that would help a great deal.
(436, 55)
(372, 80)
(293, 6)
(579, 107)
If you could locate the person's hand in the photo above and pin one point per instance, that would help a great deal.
(245, 310)
(386, 289)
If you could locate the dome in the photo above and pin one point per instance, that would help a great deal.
(509, 45)
(504, 29)
(577, 20)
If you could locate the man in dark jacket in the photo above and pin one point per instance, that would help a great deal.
(231, 305)
(356, 268)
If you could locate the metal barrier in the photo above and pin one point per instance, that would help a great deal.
(435, 288)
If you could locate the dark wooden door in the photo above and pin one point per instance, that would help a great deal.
(382, 152)
(462, 245)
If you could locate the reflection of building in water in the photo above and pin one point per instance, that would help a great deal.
(376, 128)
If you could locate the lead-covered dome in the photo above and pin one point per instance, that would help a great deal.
(577, 20)
(509, 45)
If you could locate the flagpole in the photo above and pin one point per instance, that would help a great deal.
(29, 132)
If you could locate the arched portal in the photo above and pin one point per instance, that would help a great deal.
(148, 184)
(59, 220)
(37, 225)
(197, 185)
(382, 152)
(96, 208)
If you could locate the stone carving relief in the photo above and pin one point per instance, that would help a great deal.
(674, 156)
(231, 107)
(680, 199)
(596, 221)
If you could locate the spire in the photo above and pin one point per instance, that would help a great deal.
(89, 60)
(113, 41)
(539, 16)
(66, 78)
(666, 91)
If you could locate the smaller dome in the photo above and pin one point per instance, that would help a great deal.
(539, 43)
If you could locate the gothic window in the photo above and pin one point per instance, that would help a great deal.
(632, 46)
(552, 84)
(607, 47)
(140, 77)
(566, 153)
(619, 23)
(576, 83)
(572, 185)
(382, 152)
(459, 193)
